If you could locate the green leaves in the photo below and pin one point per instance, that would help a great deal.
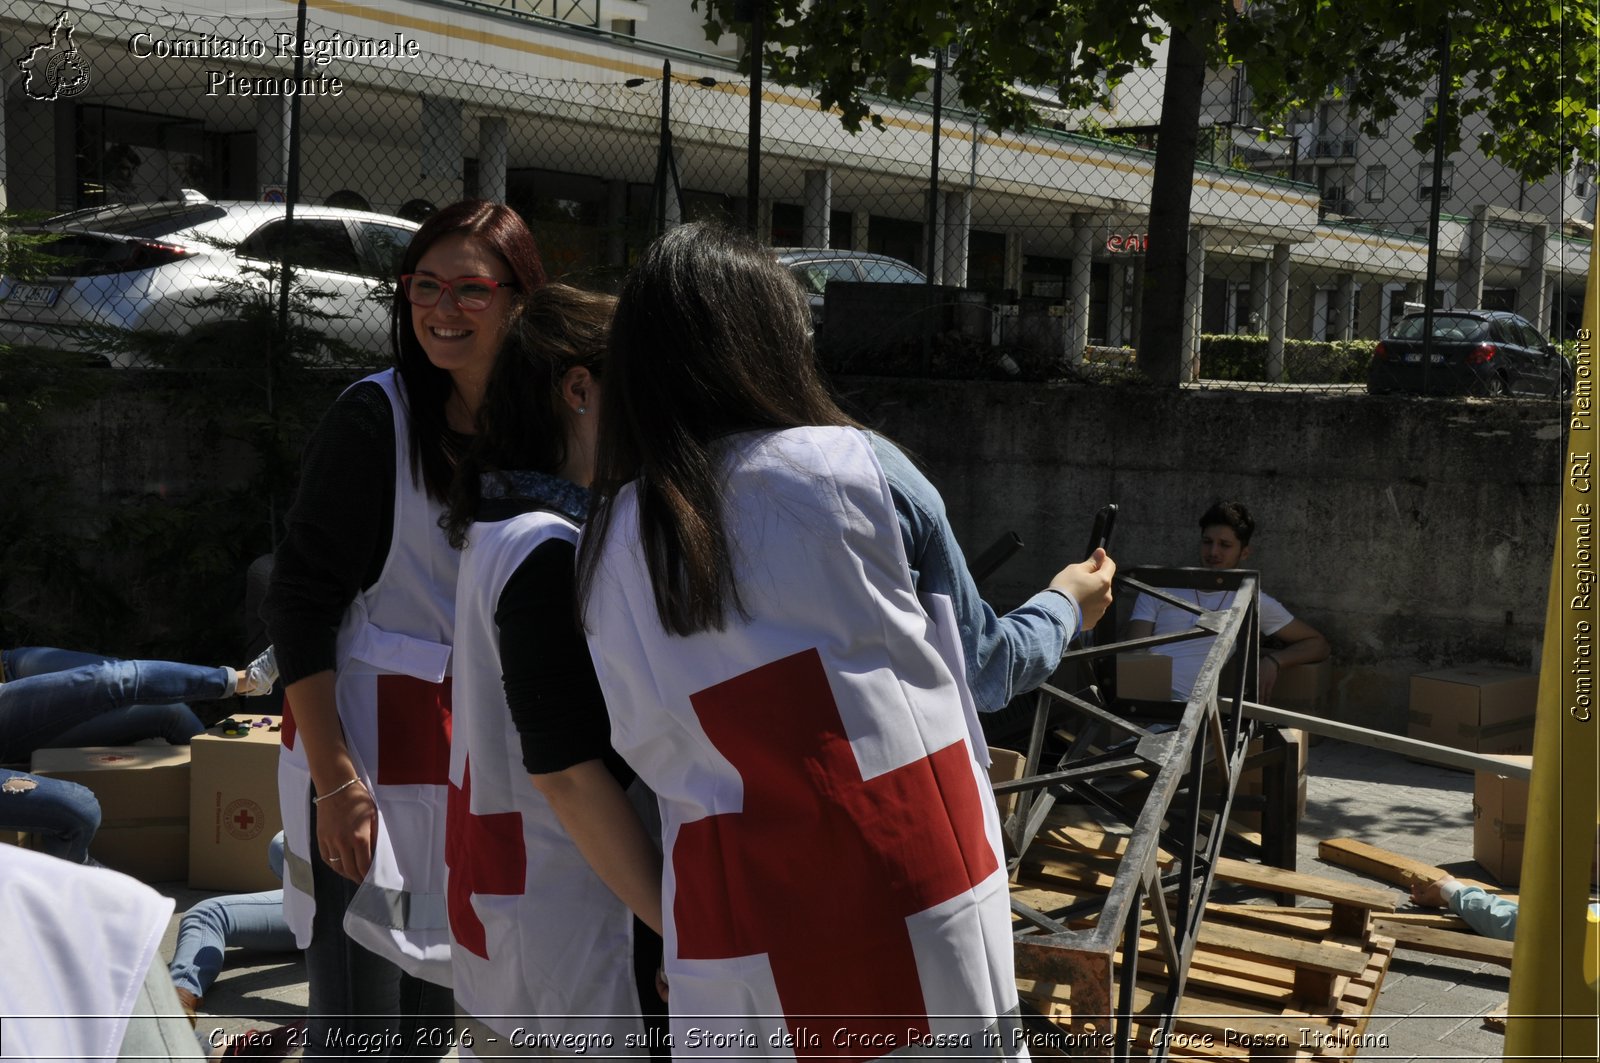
(1527, 66)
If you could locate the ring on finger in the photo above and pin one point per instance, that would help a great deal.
(334, 860)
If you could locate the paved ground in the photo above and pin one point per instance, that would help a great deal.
(1429, 1009)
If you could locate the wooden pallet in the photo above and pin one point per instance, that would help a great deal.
(1264, 982)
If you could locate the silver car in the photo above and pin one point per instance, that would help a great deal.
(161, 267)
(817, 267)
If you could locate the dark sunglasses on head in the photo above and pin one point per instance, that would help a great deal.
(470, 293)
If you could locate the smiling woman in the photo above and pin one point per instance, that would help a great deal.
(364, 557)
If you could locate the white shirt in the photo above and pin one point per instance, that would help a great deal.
(1188, 655)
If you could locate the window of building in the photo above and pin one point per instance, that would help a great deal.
(1425, 180)
(1377, 183)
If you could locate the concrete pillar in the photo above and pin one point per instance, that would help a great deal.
(1078, 284)
(1469, 276)
(818, 208)
(931, 260)
(1014, 261)
(1193, 294)
(1533, 300)
(860, 229)
(1344, 308)
(957, 237)
(441, 143)
(493, 158)
(1259, 283)
(66, 147)
(617, 223)
(1370, 305)
(1277, 310)
(763, 218)
(1136, 310)
(1116, 293)
(272, 141)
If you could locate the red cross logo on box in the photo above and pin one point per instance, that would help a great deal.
(485, 855)
(821, 868)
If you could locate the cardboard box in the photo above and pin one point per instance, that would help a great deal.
(1481, 709)
(1144, 676)
(1304, 688)
(143, 792)
(233, 810)
(1499, 822)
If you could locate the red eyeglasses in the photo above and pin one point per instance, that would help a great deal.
(470, 293)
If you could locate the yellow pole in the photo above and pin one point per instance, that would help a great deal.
(1555, 1007)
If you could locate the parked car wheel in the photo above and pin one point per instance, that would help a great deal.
(1495, 386)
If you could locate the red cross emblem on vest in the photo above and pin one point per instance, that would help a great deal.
(413, 730)
(821, 868)
(485, 855)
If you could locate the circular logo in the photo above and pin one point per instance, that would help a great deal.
(243, 819)
(67, 75)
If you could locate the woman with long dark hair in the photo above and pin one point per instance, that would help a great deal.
(544, 947)
(787, 666)
(362, 612)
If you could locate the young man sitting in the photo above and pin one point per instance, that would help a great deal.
(1225, 532)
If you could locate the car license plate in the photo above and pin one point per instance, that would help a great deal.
(1413, 358)
(34, 294)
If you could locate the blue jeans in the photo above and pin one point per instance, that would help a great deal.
(62, 816)
(246, 920)
(59, 698)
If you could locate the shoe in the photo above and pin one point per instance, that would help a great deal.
(260, 675)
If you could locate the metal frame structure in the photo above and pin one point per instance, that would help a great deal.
(1153, 779)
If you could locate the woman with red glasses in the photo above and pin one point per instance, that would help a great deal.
(362, 612)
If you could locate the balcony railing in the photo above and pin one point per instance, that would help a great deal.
(572, 12)
(1334, 148)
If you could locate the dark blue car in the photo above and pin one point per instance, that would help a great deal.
(1474, 352)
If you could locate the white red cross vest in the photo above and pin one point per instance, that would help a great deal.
(78, 943)
(392, 687)
(539, 942)
(834, 884)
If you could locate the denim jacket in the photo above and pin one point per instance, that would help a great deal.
(1005, 655)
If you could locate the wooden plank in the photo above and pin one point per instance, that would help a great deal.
(1391, 866)
(1411, 747)
(1447, 943)
(1307, 955)
(1309, 921)
(1385, 864)
(1276, 880)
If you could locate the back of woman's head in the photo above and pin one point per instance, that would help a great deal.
(427, 387)
(522, 421)
(712, 336)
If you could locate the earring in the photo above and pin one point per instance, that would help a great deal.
(583, 409)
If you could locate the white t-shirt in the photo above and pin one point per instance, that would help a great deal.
(1188, 655)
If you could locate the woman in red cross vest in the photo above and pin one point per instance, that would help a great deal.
(544, 955)
(362, 612)
(833, 883)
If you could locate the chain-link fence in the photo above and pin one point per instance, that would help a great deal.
(1305, 248)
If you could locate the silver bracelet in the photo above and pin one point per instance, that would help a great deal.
(335, 790)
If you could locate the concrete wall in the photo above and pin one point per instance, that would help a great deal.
(1415, 535)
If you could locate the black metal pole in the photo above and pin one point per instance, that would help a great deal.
(752, 181)
(664, 149)
(1441, 120)
(279, 356)
(933, 176)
